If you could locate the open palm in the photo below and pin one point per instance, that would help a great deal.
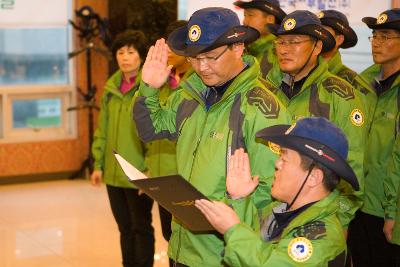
(155, 69)
(239, 182)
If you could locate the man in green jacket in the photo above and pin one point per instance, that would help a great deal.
(310, 90)
(367, 242)
(301, 229)
(216, 110)
(257, 14)
(345, 37)
(391, 203)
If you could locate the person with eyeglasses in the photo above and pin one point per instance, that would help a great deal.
(257, 14)
(367, 241)
(216, 110)
(345, 37)
(301, 227)
(308, 89)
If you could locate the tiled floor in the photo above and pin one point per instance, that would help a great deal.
(62, 224)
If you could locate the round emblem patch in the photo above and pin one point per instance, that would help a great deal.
(194, 33)
(289, 24)
(357, 117)
(274, 147)
(321, 15)
(382, 18)
(300, 249)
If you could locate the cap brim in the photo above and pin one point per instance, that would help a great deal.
(316, 31)
(277, 12)
(371, 23)
(350, 36)
(177, 40)
(276, 134)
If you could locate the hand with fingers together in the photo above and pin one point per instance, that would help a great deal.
(239, 182)
(220, 215)
(155, 69)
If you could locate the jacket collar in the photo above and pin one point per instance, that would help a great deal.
(113, 84)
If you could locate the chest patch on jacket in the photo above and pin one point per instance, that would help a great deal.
(264, 101)
(339, 87)
(313, 230)
(300, 249)
(347, 74)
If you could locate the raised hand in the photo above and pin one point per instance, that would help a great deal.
(155, 69)
(239, 182)
(220, 216)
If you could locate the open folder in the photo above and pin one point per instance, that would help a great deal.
(172, 192)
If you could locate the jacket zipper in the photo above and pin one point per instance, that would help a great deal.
(190, 176)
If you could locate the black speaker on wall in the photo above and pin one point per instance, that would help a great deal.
(150, 16)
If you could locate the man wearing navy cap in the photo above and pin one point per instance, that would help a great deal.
(257, 14)
(310, 90)
(367, 241)
(301, 228)
(345, 37)
(216, 110)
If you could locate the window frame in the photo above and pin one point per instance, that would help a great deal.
(66, 92)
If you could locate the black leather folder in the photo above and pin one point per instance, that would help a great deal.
(172, 192)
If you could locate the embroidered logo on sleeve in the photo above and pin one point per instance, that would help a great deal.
(264, 101)
(357, 117)
(300, 249)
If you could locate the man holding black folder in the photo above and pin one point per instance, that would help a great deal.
(216, 110)
(301, 228)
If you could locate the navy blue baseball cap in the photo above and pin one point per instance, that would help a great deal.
(338, 21)
(389, 19)
(318, 139)
(304, 22)
(209, 28)
(268, 6)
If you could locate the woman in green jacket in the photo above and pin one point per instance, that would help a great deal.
(117, 131)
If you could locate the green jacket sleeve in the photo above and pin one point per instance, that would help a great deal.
(155, 122)
(391, 183)
(100, 134)
(350, 117)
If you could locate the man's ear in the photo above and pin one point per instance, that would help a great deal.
(339, 39)
(238, 49)
(270, 19)
(316, 177)
(318, 48)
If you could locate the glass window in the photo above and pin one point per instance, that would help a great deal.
(34, 56)
(36, 113)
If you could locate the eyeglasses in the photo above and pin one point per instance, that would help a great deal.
(290, 43)
(206, 60)
(381, 38)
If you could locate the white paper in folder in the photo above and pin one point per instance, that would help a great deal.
(130, 171)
